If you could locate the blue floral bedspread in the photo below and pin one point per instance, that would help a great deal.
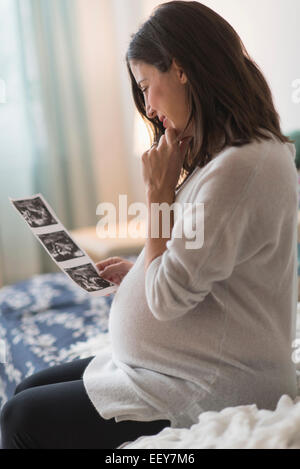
(40, 321)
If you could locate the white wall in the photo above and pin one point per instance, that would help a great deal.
(100, 66)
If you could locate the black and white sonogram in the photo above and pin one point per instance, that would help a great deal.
(87, 277)
(35, 212)
(60, 246)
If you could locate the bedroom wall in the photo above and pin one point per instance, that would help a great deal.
(270, 31)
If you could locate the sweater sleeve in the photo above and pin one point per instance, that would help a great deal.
(179, 279)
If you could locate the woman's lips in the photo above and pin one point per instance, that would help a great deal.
(165, 122)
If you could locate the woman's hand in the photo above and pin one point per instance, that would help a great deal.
(114, 269)
(162, 165)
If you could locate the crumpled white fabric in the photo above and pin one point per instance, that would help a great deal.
(241, 427)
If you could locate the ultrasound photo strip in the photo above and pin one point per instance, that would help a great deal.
(60, 246)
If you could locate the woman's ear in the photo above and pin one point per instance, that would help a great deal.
(180, 72)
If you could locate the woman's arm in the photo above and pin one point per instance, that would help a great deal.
(154, 246)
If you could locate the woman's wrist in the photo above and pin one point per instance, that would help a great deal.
(155, 196)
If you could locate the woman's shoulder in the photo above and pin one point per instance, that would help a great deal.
(251, 156)
(236, 166)
(234, 162)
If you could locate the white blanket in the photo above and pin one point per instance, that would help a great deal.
(242, 427)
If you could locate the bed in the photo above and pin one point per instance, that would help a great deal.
(48, 320)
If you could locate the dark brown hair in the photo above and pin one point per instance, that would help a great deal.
(230, 100)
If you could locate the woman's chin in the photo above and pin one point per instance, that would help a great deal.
(170, 125)
(179, 132)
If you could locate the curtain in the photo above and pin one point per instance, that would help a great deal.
(18, 253)
(44, 142)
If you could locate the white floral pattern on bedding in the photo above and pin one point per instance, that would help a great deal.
(44, 321)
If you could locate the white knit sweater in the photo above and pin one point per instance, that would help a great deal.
(212, 327)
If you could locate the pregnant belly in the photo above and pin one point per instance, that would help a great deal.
(130, 317)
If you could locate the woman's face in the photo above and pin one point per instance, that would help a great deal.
(164, 94)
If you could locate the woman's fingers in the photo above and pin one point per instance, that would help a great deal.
(121, 269)
(114, 269)
(109, 272)
(111, 260)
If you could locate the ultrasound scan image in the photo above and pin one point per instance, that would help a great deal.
(35, 212)
(60, 246)
(87, 277)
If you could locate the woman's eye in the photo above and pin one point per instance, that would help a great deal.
(145, 89)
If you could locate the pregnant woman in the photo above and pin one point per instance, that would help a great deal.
(194, 326)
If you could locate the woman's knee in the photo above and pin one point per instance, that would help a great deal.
(25, 384)
(14, 416)
(6, 414)
(70, 371)
(36, 379)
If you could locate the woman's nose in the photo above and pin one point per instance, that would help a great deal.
(150, 113)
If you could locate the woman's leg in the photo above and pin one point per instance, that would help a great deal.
(70, 371)
(61, 416)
